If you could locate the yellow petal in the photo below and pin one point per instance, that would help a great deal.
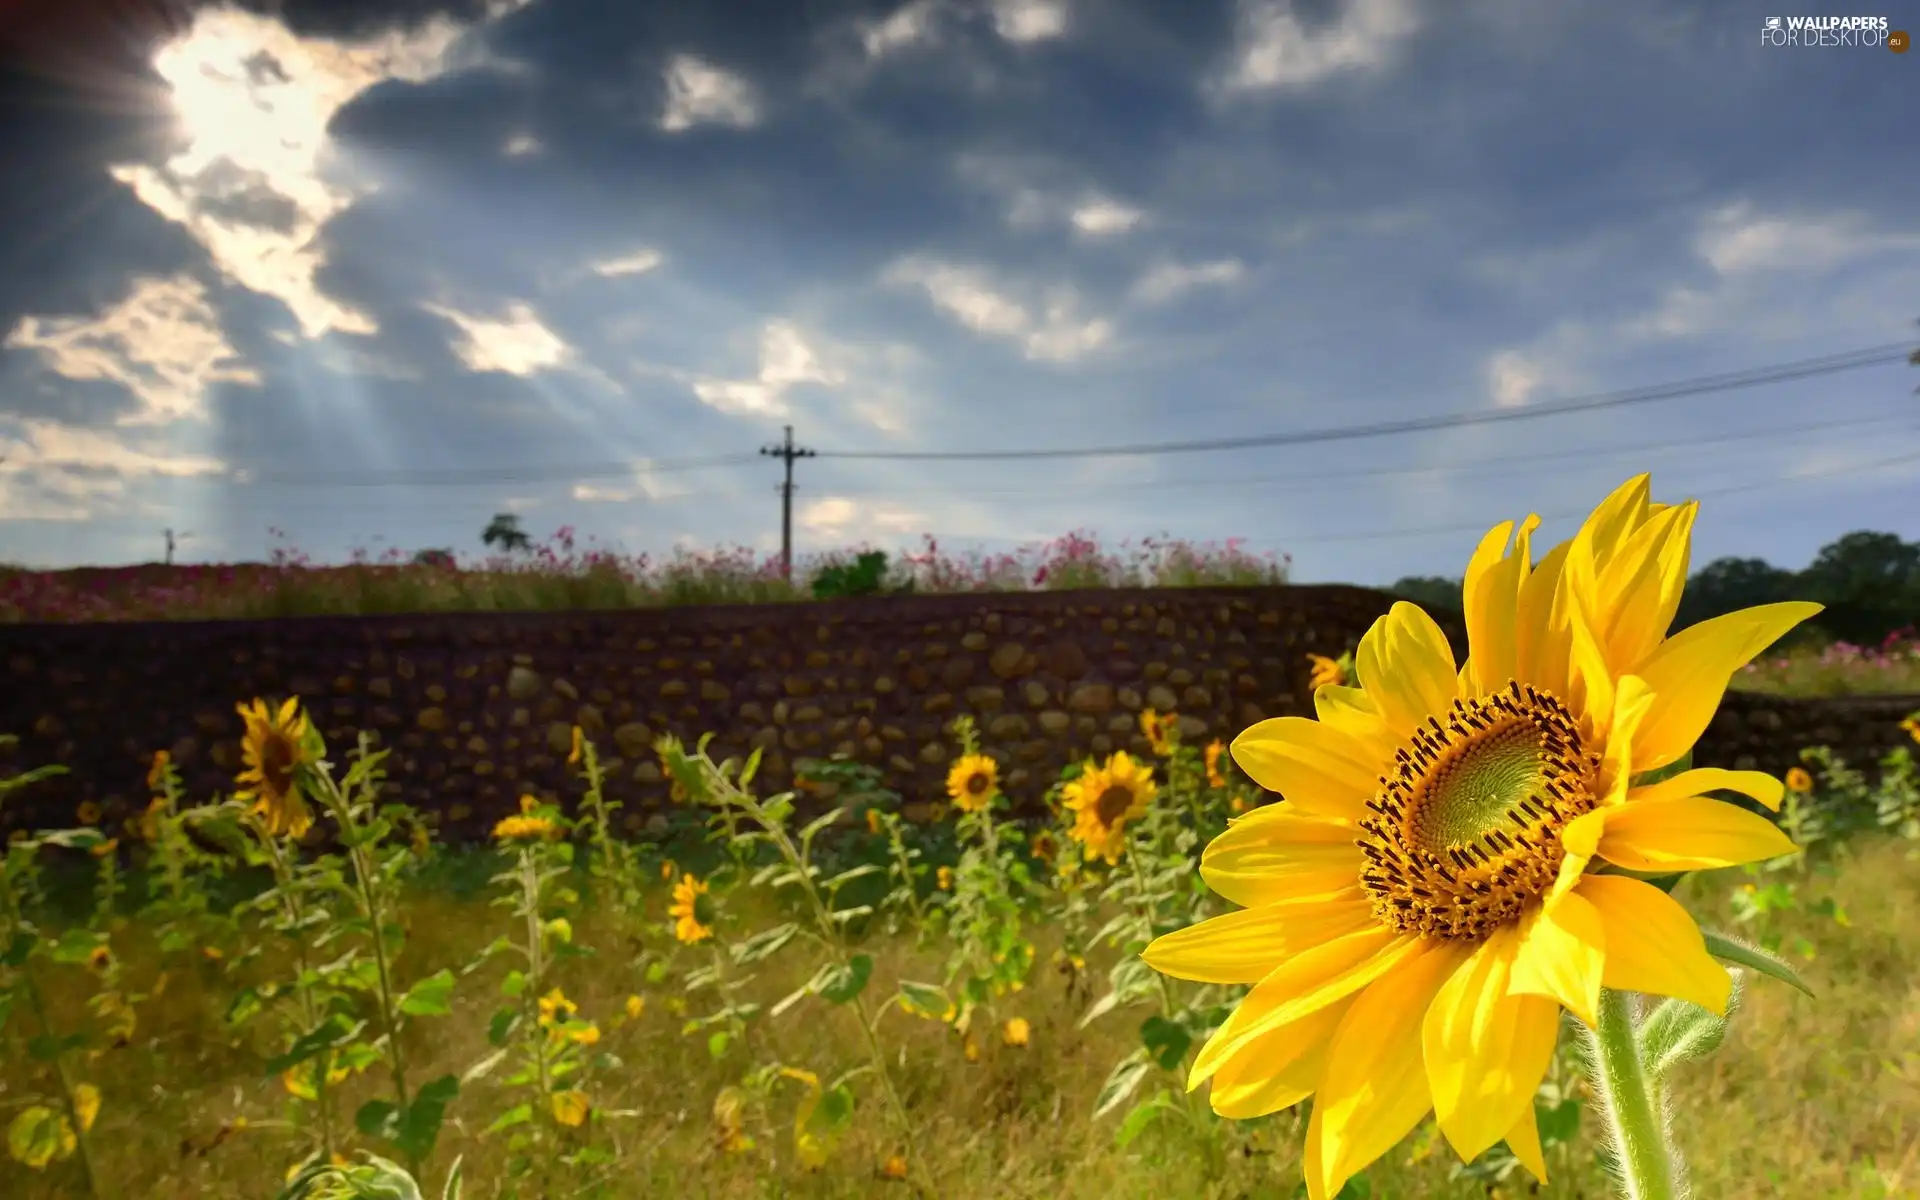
(1562, 956)
(1490, 594)
(1590, 683)
(1640, 588)
(1540, 634)
(86, 1104)
(1689, 833)
(1632, 701)
(1372, 1092)
(1701, 780)
(1689, 674)
(1406, 665)
(1301, 985)
(1245, 946)
(1524, 1140)
(1316, 766)
(1353, 712)
(1653, 946)
(1278, 1069)
(1278, 852)
(1486, 1049)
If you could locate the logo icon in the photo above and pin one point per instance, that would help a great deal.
(1898, 41)
(1773, 24)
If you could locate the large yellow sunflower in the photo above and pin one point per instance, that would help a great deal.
(973, 781)
(1104, 799)
(1430, 891)
(272, 748)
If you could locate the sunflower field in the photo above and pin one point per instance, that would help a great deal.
(1478, 929)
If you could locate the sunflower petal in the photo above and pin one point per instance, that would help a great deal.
(1701, 780)
(1541, 641)
(1316, 766)
(1563, 952)
(1690, 671)
(1591, 685)
(1689, 833)
(1352, 711)
(1653, 945)
(1490, 593)
(1486, 1049)
(1303, 984)
(1246, 946)
(1279, 851)
(1524, 1140)
(1371, 1093)
(1640, 589)
(1279, 1068)
(1406, 665)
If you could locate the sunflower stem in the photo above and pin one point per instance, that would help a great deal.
(1646, 1163)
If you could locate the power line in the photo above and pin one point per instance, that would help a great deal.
(1802, 369)
(479, 476)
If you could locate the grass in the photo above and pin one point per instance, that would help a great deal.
(1838, 669)
(557, 576)
(1810, 1099)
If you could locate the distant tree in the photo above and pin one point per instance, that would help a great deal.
(1435, 593)
(1728, 584)
(434, 558)
(1870, 583)
(504, 531)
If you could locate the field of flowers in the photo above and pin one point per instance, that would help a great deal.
(295, 990)
(559, 574)
(1839, 669)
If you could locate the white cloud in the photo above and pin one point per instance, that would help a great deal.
(1171, 280)
(786, 360)
(1099, 218)
(53, 472)
(645, 484)
(1277, 51)
(252, 183)
(1029, 20)
(909, 25)
(1056, 333)
(162, 342)
(521, 145)
(518, 343)
(1734, 240)
(699, 93)
(637, 263)
(1512, 378)
(848, 520)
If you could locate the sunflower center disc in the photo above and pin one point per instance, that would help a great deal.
(276, 762)
(1113, 804)
(977, 782)
(1465, 830)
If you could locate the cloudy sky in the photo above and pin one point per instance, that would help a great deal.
(370, 273)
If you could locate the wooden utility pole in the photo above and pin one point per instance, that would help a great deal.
(786, 451)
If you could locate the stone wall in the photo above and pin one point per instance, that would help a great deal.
(478, 708)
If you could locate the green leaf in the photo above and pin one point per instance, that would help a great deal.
(378, 1119)
(38, 1136)
(333, 1032)
(504, 1022)
(430, 997)
(484, 1067)
(1728, 950)
(717, 1044)
(514, 984)
(656, 972)
(451, 1190)
(520, 1114)
(924, 999)
(1165, 1041)
(420, 1125)
(1121, 1083)
(1142, 1115)
(835, 1110)
(1684, 763)
(765, 944)
(813, 827)
(1558, 1123)
(1679, 1031)
(849, 981)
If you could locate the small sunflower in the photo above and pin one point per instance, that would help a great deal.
(274, 746)
(973, 781)
(1159, 729)
(1215, 749)
(1240, 805)
(524, 828)
(1104, 799)
(691, 911)
(554, 1008)
(157, 773)
(1017, 1032)
(667, 869)
(1799, 780)
(1327, 672)
(88, 813)
(99, 957)
(150, 818)
(1912, 726)
(103, 849)
(873, 820)
(895, 1167)
(944, 877)
(1044, 846)
(635, 1006)
(573, 755)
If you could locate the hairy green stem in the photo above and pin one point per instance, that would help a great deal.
(1646, 1162)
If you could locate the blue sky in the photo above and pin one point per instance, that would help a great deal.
(534, 239)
